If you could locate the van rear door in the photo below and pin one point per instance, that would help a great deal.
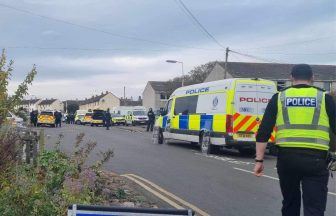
(250, 101)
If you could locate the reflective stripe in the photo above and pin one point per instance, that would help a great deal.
(303, 127)
(317, 111)
(284, 108)
(303, 140)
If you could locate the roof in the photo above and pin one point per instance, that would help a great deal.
(276, 71)
(217, 85)
(128, 102)
(47, 101)
(94, 99)
(31, 101)
(72, 102)
(165, 86)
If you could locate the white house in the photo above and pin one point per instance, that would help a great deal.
(103, 101)
(50, 104)
(30, 105)
(156, 93)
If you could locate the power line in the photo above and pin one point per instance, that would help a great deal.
(255, 57)
(289, 43)
(98, 30)
(197, 22)
(77, 49)
(317, 53)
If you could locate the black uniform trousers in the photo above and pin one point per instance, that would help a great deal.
(304, 169)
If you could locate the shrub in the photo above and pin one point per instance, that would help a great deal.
(57, 181)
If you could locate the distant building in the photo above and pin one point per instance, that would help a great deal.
(30, 105)
(130, 102)
(156, 93)
(103, 101)
(68, 103)
(325, 75)
(50, 104)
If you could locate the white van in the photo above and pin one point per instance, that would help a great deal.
(224, 113)
(134, 115)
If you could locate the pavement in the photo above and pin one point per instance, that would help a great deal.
(220, 184)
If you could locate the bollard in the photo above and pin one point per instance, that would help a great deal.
(41, 141)
(35, 147)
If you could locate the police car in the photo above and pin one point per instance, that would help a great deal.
(224, 113)
(46, 118)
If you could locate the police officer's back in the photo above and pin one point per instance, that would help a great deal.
(304, 116)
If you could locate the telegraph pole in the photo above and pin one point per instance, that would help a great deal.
(226, 61)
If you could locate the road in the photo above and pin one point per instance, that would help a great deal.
(218, 184)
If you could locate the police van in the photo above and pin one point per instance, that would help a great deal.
(224, 113)
(134, 115)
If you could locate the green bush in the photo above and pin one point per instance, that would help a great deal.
(57, 181)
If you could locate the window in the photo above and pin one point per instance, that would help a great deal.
(168, 107)
(186, 105)
(163, 96)
(281, 85)
(326, 86)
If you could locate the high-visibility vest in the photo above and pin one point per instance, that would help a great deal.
(302, 119)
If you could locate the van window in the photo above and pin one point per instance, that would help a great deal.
(168, 107)
(186, 105)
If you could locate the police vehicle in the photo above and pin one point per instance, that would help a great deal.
(224, 113)
(98, 117)
(79, 116)
(87, 120)
(46, 118)
(134, 115)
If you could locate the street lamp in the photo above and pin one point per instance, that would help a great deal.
(174, 61)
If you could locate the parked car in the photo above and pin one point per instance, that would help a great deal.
(98, 118)
(13, 119)
(118, 119)
(46, 118)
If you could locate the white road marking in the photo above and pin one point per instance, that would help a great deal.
(266, 176)
(226, 159)
(163, 194)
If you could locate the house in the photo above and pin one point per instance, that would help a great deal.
(102, 101)
(130, 102)
(156, 93)
(29, 105)
(325, 75)
(71, 105)
(50, 104)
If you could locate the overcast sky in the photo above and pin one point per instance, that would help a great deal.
(84, 47)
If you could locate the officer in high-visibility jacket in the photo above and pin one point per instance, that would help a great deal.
(304, 119)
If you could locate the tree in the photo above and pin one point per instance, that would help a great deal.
(72, 107)
(196, 75)
(9, 102)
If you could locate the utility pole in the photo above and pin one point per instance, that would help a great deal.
(226, 61)
(182, 74)
(124, 92)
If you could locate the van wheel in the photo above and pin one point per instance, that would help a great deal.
(206, 147)
(247, 151)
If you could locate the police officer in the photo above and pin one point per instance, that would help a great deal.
(151, 119)
(304, 117)
(107, 119)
